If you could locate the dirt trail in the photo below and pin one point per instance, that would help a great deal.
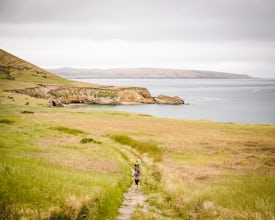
(132, 199)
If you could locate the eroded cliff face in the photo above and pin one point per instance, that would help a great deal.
(68, 95)
(60, 95)
(139, 95)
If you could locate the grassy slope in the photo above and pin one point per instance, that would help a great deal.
(46, 170)
(210, 170)
(206, 169)
(26, 73)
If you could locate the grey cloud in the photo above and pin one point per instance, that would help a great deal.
(148, 20)
(228, 34)
(125, 10)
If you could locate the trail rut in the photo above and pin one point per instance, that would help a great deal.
(132, 199)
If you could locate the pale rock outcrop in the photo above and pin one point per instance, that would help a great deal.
(163, 99)
(60, 95)
(139, 95)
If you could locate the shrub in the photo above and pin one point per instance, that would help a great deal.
(6, 121)
(27, 112)
(89, 140)
(5, 73)
(73, 131)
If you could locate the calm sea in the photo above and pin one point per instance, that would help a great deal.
(237, 100)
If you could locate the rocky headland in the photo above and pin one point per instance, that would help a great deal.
(36, 82)
(64, 95)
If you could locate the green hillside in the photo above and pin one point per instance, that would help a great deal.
(14, 68)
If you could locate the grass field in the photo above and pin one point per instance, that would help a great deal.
(46, 169)
(59, 163)
(206, 169)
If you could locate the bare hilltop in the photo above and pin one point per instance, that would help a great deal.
(151, 73)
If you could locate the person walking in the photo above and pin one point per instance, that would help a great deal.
(136, 177)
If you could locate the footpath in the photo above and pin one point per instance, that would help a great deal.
(132, 199)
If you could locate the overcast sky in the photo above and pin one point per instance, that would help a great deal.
(235, 36)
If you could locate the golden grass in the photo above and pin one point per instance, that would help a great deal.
(196, 155)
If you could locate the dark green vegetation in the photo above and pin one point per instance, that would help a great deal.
(27, 112)
(73, 131)
(6, 121)
(89, 140)
(5, 73)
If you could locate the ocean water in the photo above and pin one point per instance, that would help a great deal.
(222, 100)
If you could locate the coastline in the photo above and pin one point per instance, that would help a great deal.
(237, 101)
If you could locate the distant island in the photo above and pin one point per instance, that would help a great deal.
(141, 73)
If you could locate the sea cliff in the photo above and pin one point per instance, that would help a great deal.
(60, 95)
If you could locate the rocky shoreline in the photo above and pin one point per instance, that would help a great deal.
(64, 95)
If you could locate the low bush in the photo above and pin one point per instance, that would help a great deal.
(6, 121)
(89, 140)
(27, 112)
(73, 131)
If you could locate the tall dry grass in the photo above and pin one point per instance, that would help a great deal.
(205, 170)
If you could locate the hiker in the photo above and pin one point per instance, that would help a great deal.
(136, 165)
(136, 177)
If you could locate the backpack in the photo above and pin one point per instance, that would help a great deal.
(136, 166)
